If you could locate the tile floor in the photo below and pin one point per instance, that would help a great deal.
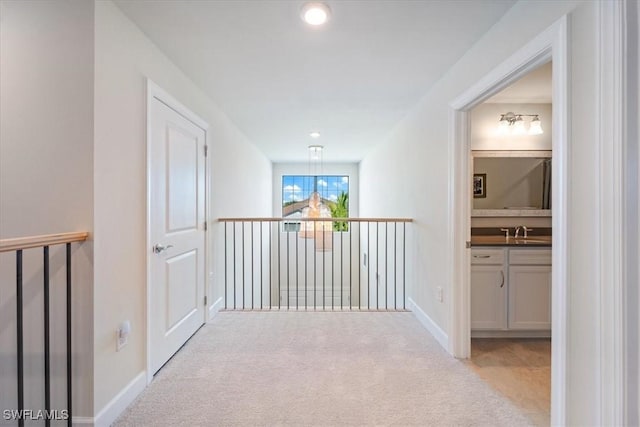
(520, 369)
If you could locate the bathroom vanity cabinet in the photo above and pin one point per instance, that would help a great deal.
(510, 291)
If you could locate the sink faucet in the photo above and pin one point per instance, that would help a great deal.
(524, 229)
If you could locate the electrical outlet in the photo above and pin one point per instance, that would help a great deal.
(122, 335)
(121, 340)
(439, 293)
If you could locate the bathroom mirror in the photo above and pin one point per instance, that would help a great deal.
(511, 183)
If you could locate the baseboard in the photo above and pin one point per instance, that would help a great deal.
(215, 308)
(82, 421)
(429, 324)
(121, 401)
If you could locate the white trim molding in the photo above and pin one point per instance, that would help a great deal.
(550, 45)
(612, 119)
(121, 401)
(428, 323)
(215, 308)
(84, 421)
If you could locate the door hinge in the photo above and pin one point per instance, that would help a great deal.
(468, 244)
(206, 150)
(205, 226)
(205, 300)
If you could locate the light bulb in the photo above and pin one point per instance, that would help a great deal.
(503, 126)
(518, 126)
(535, 128)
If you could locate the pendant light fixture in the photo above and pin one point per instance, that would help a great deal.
(320, 231)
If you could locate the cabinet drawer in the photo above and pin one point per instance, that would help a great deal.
(487, 256)
(530, 257)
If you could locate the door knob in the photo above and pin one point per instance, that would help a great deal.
(158, 248)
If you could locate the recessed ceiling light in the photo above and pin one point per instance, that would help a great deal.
(315, 13)
(315, 134)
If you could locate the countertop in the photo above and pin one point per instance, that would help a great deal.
(538, 241)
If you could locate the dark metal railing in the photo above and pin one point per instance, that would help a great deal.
(18, 245)
(304, 263)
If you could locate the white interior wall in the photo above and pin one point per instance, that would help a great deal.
(240, 185)
(46, 186)
(407, 174)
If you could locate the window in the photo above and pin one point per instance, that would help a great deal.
(333, 190)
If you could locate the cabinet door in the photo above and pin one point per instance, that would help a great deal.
(488, 297)
(530, 297)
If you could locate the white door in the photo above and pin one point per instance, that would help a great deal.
(176, 231)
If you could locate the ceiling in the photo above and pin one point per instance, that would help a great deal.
(279, 79)
(533, 88)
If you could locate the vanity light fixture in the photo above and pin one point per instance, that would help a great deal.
(315, 13)
(513, 123)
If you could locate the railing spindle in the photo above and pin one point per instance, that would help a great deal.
(351, 267)
(47, 336)
(359, 268)
(270, 265)
(386, 258)
(235, 306)
(288, 285)
(225, 266)
(305, 271)
(323, 268)
(315, 274)
(260, 265)
(341, 271)
(244, 294)
(279, 292)
(333, 259)
(296, 237)
(404, 265)
(252, 266)
(368, 267)
(377, 267)
(395, 265)
(19, 335)
(69, 372)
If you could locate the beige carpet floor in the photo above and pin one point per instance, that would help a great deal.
(320, 369)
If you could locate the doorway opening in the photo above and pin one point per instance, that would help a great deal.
(549, 46)
(511, 242)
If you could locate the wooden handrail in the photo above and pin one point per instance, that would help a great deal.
(18, 243)
(315, 219)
